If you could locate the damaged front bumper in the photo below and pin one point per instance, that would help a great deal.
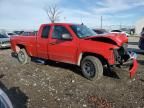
(126, 59)
(132, 63)
(133, 68)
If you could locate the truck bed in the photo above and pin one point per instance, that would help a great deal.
(28, 41)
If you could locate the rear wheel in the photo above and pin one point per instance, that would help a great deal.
(92, 68)
(23, 57)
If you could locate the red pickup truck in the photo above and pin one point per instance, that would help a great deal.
(75, 44)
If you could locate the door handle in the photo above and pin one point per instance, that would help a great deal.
(53, 43)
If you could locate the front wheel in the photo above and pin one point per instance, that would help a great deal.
(23, 57)
(92, 68)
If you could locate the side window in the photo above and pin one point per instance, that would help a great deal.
(59, 31)
(45, 32)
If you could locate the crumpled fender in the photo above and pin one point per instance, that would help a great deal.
(117, 38)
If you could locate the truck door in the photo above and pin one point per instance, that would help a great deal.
(62, 50)
(42, 42)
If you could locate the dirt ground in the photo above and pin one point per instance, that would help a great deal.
(58, 85)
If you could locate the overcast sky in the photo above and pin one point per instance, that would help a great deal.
(29, 14)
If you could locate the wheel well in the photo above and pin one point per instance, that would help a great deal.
(101, 58)
(19, 46)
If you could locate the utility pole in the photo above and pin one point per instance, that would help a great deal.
(101, 22)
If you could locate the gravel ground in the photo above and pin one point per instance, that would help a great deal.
(58, 85)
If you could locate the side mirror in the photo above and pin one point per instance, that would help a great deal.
(66, 37)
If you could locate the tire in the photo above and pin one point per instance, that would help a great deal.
(23, 57)
(92, 68)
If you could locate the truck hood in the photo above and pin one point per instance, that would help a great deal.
(116, 39)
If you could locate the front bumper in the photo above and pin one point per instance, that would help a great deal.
(132, 63)
(133, 68)
(126, 59)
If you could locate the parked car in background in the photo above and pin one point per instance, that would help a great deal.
(132, 31)
(141, 41)
(9, 34)
(126, 30)
(120, 32)
(100, 31)
(18, 32)
(4, 41)
(4, 100)
(29, 33)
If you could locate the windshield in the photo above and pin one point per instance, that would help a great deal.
(82, 31)
(3, 36)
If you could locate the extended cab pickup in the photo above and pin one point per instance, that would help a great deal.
(75, 44)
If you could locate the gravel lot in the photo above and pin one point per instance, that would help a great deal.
(58, 85)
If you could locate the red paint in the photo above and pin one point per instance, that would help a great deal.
(133, 68)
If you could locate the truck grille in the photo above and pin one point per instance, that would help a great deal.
(121, 54)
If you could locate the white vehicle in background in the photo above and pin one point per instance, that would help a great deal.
(4, 100)
(121, 32)
(9, 34)
(4, 41)
(29, 33)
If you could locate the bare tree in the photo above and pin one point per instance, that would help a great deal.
(53, 13)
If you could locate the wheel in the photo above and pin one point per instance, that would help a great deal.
(92, 68)
(23, 57)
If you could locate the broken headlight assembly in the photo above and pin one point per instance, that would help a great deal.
(121, 55)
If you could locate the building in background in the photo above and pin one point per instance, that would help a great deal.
(139, 25)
